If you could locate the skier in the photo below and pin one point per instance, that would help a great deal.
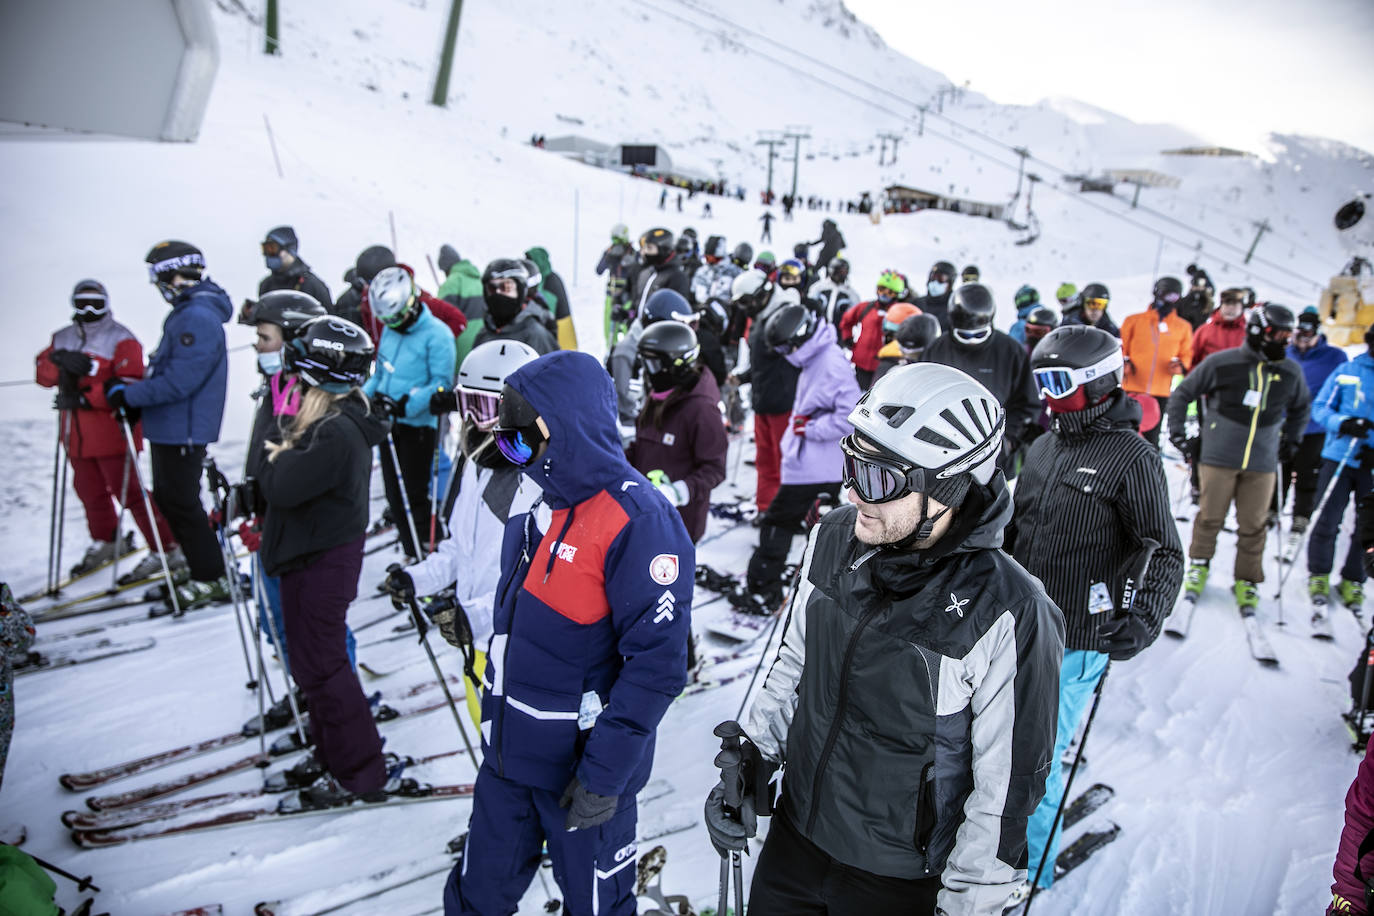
(890, 356)
(1089, 494)
(414, 360)
(1040, 321)
(16, 638)
(915, 334)
(1196, 307)
(970, 274)
(1344, 410)
(1256, 408)
(939, 288)
(315, 483)
(78, 361)
(810, 447)
(711, 290)
(1066, 293)
(771, 377)
(767, 219)
(462, 287)
(768, 263)
(505, 285)
(1224, 329)
(999, 363)
(831, 242)
(1090, 308)
(660, 271)
(1350, 894)
(1318, 360)
(370, 262)
(609, 599)
(1026, 299)
(181, 400)
(687, 253)
(287, 270)
(883, 810)
(679, 441)
(860, 329)
(490, 490)
(834, 293)
(620, 263)
(552, 288)
(1158, 345)
(792, 275)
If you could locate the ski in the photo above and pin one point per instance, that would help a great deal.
(14, 834)
(338, 897)
(1095, 797)
(80, 577)
(378, 548)
(210, 909)
(1259, 643)
(93, 630)
(1321, 624)
(1181, 618)
(37, 661)
(1081, 849)
(82, 610)
(99, 839)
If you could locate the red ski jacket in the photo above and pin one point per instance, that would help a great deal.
(867, 336)
(449, 314)
(93, 432)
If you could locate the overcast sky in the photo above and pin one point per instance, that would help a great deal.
(1230, 70)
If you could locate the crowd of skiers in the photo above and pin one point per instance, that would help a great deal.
(939, 629)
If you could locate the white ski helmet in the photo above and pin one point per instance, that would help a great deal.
(748, 284)
(935, 417)
(486, 366)
(393, 297)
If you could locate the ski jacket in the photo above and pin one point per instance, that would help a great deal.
(1017, 331)
(317, 492)
(1074, 315)
(684, 437)
(712, 282)
(1088, 494)
(1347, 392)
(826, 392)
(560, 307)
(448, 314)
(863, 324)
(835, 298)
(1196, 308)
(414, 363)
(93, 432)
(279, 395)
(1149, 350)
(621, 264)
(593, 607)
(526, 327)
(182, 394)
(772, 379)
(1317, 364)
(651, 279)
(1217, 335)
(937, 306)
(463, 288)
(1251, 404)
(913, 701)
(469, 559)
(301, 279)
(1000, 365)
(1354, 866)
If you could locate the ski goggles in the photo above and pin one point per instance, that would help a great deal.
(1060, 382)
(1170, 298)
(271, 248)
(481, 407)
(878, 479)
(655, 363)
(1100, 304)
(89, 305)
(517, 432)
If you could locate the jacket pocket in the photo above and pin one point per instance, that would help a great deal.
(925, 810)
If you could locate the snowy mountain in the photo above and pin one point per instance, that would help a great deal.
(1229, 777)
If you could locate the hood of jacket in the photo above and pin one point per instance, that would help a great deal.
(540, 257)
(209, 295)
(1117, 412)
(807, 353)
(574, 395)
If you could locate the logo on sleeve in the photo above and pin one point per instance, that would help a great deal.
(663, 568)
(188, 339)
(664, 610)
(956, 606)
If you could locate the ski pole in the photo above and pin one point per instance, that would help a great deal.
(51, 588)
(723, 902)
(1360, 713)
(405, 497)
(152, 519)
(1316, 512)
(260, 589)
(231, 574)
(82, 884)
(422, 627)
(777, 619)
(1278, 546)
(119, 525)
(62, 501)
(434, 480)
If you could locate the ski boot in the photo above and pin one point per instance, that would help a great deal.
(151, 566)
(101, 553)
(1293, 543)
(1319, 590)
(195, 594)
(1195, 579)
(326, 792)
(1247, 596)
(302, 774)
(1351, 595)
(758, 603)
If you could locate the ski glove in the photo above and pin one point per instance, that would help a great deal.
(114, 396)
(1123, 637)
(452, 622)
(250, 533)
(1190, 449)
(387, 406)
(728, 834)
(73, 361)
(1288, 451)
(443, 401)
(799, 421)
(1356, 427)
(675, 491)
(400, 586)
(586, 809)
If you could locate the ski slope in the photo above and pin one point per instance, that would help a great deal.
(1230, 778)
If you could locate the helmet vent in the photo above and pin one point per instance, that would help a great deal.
(926, 434)
(973, 415)
(895, 414)
(948, 416)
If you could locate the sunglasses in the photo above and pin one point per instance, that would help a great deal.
(877, 479)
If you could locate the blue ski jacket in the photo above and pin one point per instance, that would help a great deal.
(182, 394)
(1317, 364)
(1347, 392)
(415, 363)
(592, 613)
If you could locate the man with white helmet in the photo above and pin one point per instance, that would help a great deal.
(912, 699)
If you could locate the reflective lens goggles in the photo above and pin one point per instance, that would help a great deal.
(88, 306)
(1170, 298)
(655, 363)
(1059, 382)
(1094, 303)
(878, 479)
(478, 406)
(271, 248)
(517, 428)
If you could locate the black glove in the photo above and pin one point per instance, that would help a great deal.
(586, 809)
(243, 498)
(1288, 451)
(729, 834)
(114, 396)
(400, 586)
(73, 361)
(387, 406)
(443, 401)
(1123, 637)
(1356, 427)
(452, 622)
(1031, 432)
(1190, 449)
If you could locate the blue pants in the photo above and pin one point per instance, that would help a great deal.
(1321, 545)
(1078, 676)
(594, 868)
(271, 589)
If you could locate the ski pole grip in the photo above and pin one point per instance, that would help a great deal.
(1136, 573)
(728, 761)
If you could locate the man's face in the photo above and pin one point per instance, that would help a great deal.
(1230, 309)
(505, 286)
(1092, 315)
(890, 522)
(269, 338)
(1304, 339)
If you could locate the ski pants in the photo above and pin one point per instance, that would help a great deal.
(768, 430)
(594, 868)
(1251, 491)
(1321, 544)
(270, 603)
(97, 483)
(1078, 676)
(176, 489)
(315, 605)
(794, 877)
(1301, 474)
(784, 518)
(415, 452)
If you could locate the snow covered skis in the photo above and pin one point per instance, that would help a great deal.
(39, 660)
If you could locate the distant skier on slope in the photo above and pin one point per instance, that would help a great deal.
(1090, 493)
(912, 697)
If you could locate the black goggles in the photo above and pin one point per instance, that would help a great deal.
(517, 432)
(271, 248)
(878, 479)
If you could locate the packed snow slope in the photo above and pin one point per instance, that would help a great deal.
(1210, 755)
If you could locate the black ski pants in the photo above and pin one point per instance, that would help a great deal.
(415, 452)
(781, 520)
(1301, 473)
(795, 878)
(176, 490)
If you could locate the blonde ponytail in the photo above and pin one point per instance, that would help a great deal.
(316, 405)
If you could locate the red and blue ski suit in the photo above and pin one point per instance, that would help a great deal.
(589, 649)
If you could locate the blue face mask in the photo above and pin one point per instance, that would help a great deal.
(936, 288)
(273, 261)
(884, 298)
(270, 363)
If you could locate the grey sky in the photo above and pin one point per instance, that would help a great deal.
(1229, 70)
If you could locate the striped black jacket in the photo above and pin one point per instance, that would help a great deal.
(1089, 492)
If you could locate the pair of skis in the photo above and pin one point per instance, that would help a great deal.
(1181, 619)
(48, 660)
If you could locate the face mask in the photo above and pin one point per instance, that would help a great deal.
(87, 317)
(270, 363)
(936, 288)
(1164, 308)
(884, 298)
(273, 261)
(503, 309)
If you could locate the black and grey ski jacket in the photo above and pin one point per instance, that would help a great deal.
(913, 703)
(1089, 493)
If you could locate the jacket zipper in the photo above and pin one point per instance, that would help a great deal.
(1154, 359)
(1254, 416)
(841, 702)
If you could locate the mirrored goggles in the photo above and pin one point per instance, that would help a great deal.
(878, 479)
(1094, 303)
(479, 406)
(518, 445)
(271, 248)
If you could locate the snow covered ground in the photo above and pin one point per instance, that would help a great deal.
(1230, 778)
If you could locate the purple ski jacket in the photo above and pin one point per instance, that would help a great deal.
(826, 392)
(1353, 872)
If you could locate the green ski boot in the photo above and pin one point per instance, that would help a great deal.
(1319, 590)
(1194, 579)
(1247, 596)
(1351, 595)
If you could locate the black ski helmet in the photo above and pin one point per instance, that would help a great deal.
(661, 240)
(743, 255)
(916, 333)
(970, 274)
(971, 313)
(801, 251)
(942, 267)
(1269, 329)
(373, 261)
(171, 259)
(684, 246)
(284, 237)
(1041, 320)
(330, 353)
(838, 269)
(90, 300)
(1167, 290)
(1077, 366)
(666, 305)
(716, 248)
(504, 308)
(1094, 291)
(669, 351)
(288, 309)
(790, 327)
